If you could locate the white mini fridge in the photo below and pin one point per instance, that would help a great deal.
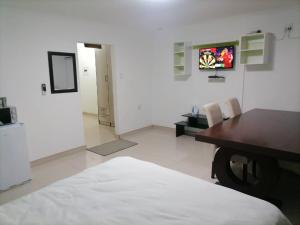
(14, 162)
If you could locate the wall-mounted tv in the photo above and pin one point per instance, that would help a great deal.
(216, 58)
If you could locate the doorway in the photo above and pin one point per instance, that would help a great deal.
(96, 93)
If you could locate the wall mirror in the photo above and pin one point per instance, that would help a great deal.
(62, 69)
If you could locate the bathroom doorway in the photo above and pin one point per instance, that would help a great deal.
(96, 92)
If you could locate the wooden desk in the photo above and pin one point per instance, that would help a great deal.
(263, 137)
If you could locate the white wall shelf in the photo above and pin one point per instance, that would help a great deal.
(182, 59)
(255, 49)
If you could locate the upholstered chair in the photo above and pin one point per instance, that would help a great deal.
(214, 116)
(213, 113)
(234, 108)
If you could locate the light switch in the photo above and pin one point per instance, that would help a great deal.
(85, 71)
(43, 89)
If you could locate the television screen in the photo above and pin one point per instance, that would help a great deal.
(216, 58)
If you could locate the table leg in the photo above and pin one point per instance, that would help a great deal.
(259, 184)
(254, 168)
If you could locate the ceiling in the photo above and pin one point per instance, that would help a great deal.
(149, 14)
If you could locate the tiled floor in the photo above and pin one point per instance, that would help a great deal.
(96, 134)
(158, 145)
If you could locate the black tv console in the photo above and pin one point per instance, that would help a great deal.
(193, 125)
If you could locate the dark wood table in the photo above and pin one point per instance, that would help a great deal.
(262, 137)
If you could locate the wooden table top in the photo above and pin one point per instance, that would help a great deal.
(268, 132)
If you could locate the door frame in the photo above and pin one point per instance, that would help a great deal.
(114, 80)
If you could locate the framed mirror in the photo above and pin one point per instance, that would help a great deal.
(62, 69)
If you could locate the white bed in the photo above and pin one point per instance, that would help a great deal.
(128, 191)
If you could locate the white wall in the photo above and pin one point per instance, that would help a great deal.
(1, 55)
(273, 88)
(54, 122)
(88, 79)
(142, 70)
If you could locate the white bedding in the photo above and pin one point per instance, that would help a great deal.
(128, 191)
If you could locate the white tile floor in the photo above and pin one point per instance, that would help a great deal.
(96, 134)
(155, 144)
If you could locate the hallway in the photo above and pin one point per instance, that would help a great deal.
(96, 134)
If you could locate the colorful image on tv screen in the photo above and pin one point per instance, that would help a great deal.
(216, 58)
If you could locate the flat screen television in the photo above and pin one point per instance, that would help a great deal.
(216, 58)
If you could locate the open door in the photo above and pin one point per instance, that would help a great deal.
(104, 85)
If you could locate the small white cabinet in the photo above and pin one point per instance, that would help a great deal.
(14, 163)
(182, 59)
(255, 49)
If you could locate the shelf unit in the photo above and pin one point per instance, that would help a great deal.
(192, 126)
(182, 59)
(255, 49)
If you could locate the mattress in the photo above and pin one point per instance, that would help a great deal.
(129, 191)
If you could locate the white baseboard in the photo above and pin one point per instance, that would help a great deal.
(145, 128)
(136, 130)
(90, 114)
(56, 156)
(164, 127)
(81, 148)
